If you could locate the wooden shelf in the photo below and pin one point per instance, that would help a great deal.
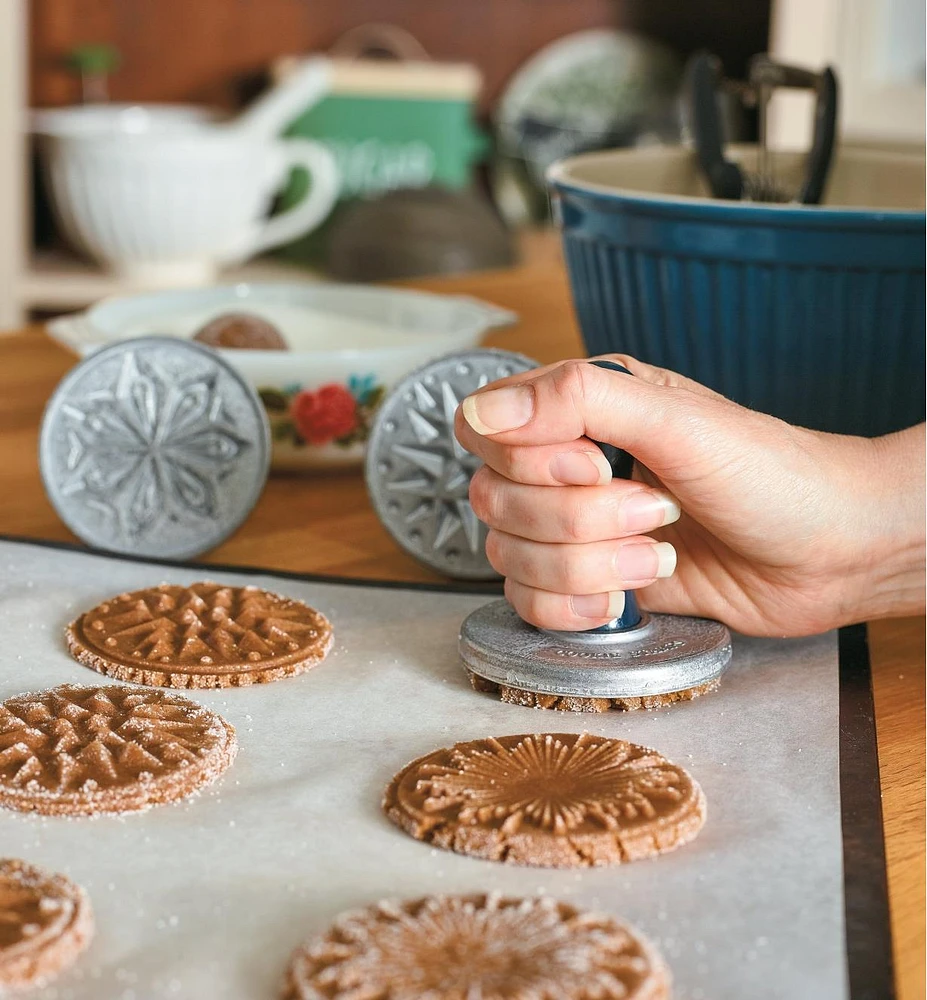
(56, 280)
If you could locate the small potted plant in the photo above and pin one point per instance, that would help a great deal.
(94, 64)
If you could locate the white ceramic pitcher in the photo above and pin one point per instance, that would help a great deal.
(168, 194)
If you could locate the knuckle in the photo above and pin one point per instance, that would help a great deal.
(482, 498)
(663, 377)
(577, 520)
(649, 373)
(531, 606)
(628, 360)
(574, 573)
(518, 465)
(570, 379)
(494, 551)
(529, 566)
(528, 611)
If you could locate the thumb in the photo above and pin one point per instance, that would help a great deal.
(576, 399)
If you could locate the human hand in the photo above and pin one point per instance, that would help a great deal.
(772, 529)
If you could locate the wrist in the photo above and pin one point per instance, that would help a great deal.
(893, 543)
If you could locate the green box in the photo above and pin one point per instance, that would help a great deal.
(389, 125)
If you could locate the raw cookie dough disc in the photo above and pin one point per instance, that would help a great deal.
(556, 800)
(468, 947)
(201, 636)
(241, 331)
(45, 923)
(80, 751)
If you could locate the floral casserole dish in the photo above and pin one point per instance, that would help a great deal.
(347, 346)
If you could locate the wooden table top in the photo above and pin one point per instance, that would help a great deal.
(324, 524)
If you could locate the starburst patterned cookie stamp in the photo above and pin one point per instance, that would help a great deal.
(418, 474)
(45, 923)
(469, 947)
(201, 636)
(554, 800)
(79, 751)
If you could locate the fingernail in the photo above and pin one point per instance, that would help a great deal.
(645, 511)
(598, 605)
(580, 468)
(499, 409)
(639, 561)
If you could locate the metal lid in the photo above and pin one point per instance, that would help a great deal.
(418, 475)
(154, 446)
(665, 654)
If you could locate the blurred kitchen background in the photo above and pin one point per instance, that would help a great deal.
(440, 117)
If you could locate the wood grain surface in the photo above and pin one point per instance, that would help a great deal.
(324, 524)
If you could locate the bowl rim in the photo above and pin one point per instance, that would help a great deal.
(559, 176)
(479, 316)
(65, 122)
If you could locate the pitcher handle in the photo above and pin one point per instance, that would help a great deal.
(308, 213)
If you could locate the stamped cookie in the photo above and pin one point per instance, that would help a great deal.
(469, 947)
(201, 636)
(557, 800)
(45, 923)
(81, 751)
(573, 703)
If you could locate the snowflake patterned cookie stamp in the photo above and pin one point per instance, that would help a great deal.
(417, 472)
(154, 446)
(553, 800)
(45, 923)
(83, 751)
(202, 636)
(485, 946)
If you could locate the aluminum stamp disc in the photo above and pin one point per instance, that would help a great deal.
(418, 475)
(667, 653)
(154, 447)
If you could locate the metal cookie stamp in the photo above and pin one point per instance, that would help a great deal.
(154, 447)
(661, 656)
(418, 475)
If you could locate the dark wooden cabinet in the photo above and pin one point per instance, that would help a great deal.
(216, 51)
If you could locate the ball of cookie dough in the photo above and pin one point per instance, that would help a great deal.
(241, 331)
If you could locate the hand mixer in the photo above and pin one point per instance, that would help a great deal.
(418, 477)
(728, 179)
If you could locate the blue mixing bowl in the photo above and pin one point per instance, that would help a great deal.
(813, 314)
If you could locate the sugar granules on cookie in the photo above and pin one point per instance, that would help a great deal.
(486, 946)
(78, 751)
(45, 923)
(202, 636)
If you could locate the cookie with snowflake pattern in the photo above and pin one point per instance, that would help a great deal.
(201, 636)
(82, 751)
(45, 923)
(464, 947)
(554, 800)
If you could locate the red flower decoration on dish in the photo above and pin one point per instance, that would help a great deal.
(325, 415)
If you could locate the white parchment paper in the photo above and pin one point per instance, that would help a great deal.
(205, 900)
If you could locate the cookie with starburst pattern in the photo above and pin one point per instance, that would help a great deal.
(82, 751)
(486, 946)
(554, 800)
(45, 923)
(201, 636)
